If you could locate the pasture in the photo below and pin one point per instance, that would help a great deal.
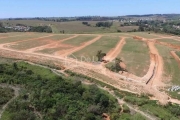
(72, 26)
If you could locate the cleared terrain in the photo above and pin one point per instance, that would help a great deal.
(148, 63)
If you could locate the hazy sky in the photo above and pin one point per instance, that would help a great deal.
(64, 8)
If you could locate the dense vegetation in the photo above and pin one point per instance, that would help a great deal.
(54, 97)
(104, 24)
(167, 112)
(46, 29)
(2, 29)
(6, 94)
(170, 27)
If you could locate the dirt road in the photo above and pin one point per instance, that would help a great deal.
(68, 52)
(114, 52)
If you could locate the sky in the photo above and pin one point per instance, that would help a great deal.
(72, 8)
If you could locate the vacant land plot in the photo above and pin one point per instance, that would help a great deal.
(171, 41)
(105, 44)
(25, 36)
(144, 35)
(79, 40)
(171, 68)
(2, 35)
(135, 55)
(38, 42)
(59, 37)
(29, 44)
(54, 49)
(178, 53)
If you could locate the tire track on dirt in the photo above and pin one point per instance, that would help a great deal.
(68, 52)
(56, 43)
(112, 54)
(158, 71)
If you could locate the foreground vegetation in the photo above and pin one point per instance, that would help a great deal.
(142, 102)
(54, 97)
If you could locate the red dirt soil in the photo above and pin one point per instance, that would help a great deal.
(112, 54)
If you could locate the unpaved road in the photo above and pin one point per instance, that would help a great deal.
(114, 52)
(80, 47)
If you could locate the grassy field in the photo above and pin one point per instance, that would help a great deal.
(10, 34)
(171, 41)
(178, 53)
(135, 55)
(144, 35)
(105, 44)
(171, 69)
(35, 43)
(24, 36)
(72, 26)
(79, 40)
(52, 50)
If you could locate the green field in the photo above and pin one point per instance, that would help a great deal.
(135, 55)
(72, 26)
(178, 53)
(171, 68)
(79, 40)
(171, 41)
(105, 44)
(24, 36)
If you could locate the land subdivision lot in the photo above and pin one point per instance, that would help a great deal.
(170, 41)
(22, 37)
(178, 53)
(171, 68)
(24, 45)
(144, 35)
(135, 54)
(68, 44)
(79, 40)
(106, 43)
